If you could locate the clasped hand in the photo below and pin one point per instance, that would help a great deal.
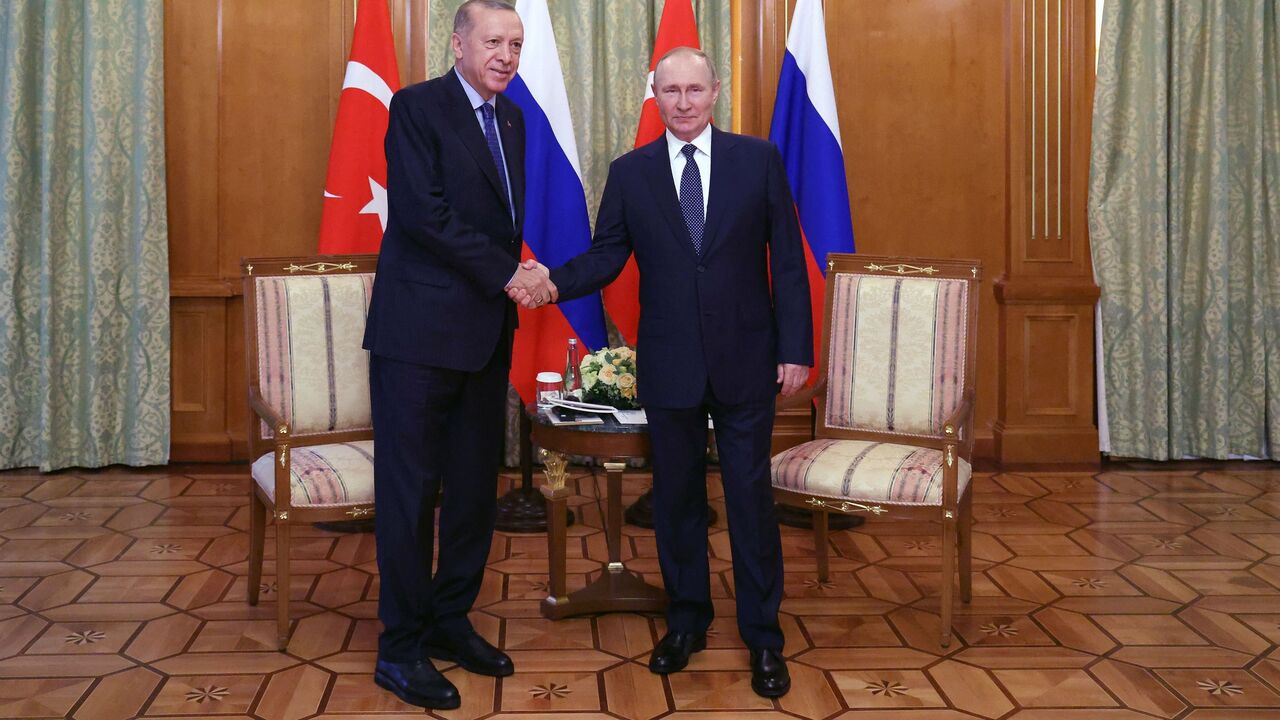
(531, 286)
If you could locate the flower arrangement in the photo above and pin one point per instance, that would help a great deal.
(609, 378)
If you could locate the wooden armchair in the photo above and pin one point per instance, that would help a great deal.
(893, 434)
(310, 426)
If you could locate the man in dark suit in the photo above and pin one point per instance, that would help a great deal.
(710, 219)
(440, 331)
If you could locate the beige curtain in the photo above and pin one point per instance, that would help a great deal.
(84, 265)
(1184, 219)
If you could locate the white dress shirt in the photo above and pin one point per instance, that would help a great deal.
(702, 157)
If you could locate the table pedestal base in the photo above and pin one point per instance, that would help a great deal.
(617, 589)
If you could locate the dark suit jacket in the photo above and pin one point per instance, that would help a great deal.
(709, 318)
(450, 246)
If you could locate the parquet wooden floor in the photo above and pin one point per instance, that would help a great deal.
(1103, 596)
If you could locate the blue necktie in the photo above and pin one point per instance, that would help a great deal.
(691, 197)
(491, 138)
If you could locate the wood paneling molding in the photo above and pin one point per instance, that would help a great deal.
(201, 287)
(1047, 294)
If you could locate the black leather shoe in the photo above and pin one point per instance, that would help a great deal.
(417, 683)
(769, 676)
(472, 653)
(673, 651)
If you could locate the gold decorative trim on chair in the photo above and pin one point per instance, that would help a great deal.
(320, 267)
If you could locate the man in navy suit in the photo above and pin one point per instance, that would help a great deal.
(710, 219)
(440, 330)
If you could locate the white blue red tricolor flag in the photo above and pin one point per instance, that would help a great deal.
(807, 132)
(556, 225)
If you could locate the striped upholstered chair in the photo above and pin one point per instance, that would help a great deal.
(894, 428)
(310, 427)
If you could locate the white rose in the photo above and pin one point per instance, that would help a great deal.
(609, 375)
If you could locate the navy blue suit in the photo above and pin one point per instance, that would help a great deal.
(440, 329)
(713, 329)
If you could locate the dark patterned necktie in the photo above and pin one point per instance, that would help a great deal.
(491, 137)
(691, 197)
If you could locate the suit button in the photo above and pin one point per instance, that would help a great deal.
(702, 268)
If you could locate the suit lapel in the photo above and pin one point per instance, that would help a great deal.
(662, 185)
(462, 118)
(513, 147)
(722, 170)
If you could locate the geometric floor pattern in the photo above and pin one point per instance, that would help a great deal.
(1125, 594)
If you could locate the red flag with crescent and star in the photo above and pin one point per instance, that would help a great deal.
(355, 189)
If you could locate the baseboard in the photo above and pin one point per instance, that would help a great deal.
(201, 447)
(1048, 446)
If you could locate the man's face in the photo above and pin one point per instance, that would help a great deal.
(685, 92)
(487, 54)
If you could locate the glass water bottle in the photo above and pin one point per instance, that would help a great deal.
(571, 360)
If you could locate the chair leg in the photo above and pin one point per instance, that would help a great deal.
(966, 546)
(257, 538)
(948, 576)
(820, 542)
(282, 582)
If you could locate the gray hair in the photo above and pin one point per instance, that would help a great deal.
(462, 19)
(686, 50)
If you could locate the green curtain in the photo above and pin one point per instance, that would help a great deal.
(84, 301)
(1184, 218)
(605, 47)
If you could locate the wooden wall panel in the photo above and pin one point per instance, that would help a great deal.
(1048, 274)
(191, 131)
(199, 379)
(920, 95)
(921, 104)
(965, 133)
(251, 91)
(1049, 351)
(277, 99)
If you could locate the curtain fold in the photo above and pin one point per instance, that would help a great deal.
(84, 301)
(1184, 219)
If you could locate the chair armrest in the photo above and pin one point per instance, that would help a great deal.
(268, 414)
(804, 397)
(953, 426)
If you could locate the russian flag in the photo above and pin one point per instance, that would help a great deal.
(556, 225)
(807, 132)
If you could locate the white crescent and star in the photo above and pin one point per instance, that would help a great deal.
(360, 77)
(377, 205)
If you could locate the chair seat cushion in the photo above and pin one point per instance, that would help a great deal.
(323, 475)
(862, 470)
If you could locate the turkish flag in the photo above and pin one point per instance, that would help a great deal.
(677, 28)
(355, 189)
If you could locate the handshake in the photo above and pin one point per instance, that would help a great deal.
(531, 286)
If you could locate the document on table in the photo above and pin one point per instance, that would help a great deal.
(637, 417)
